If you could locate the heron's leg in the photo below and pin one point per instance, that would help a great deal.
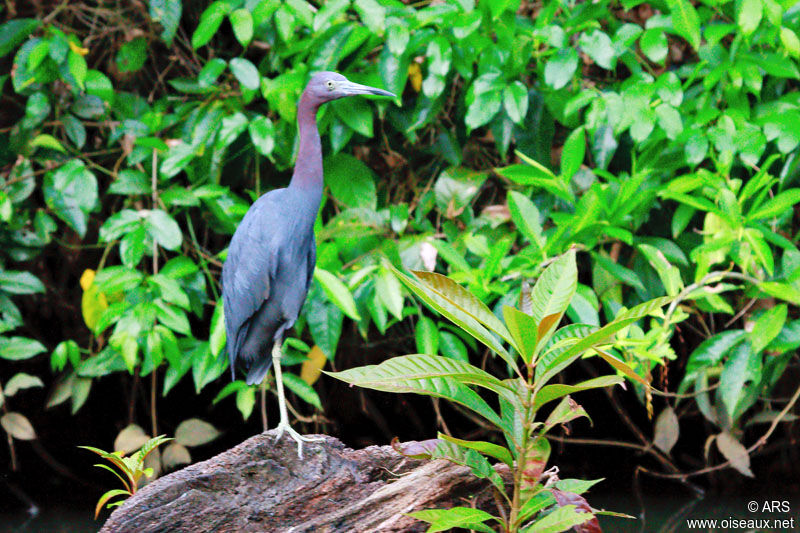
(283, 425)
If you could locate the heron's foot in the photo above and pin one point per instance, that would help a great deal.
(297, 437)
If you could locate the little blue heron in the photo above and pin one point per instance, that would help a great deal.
(272, 254)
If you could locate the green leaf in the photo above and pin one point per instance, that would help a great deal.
(553, 291)
(524, 330)
(337, 292)
(132, 55)
(749, 16)
(20, 381)
(598, 46)
(432, 375)
(790, 42)
(305, 391)
(455, 517)
(483, 109)
(573, 153)
(780, 204)
(526, 217)
(389, 292)
(245, 72)
(262, 133)
(14, 32)
(548, 393)
(20, 282)
(427, 336)
(164, 229)
(515, 101)
(459, 305)
(75, 130)
(685, 21)
(71, 192)
(743, 366)
(19, 348)
(654, 45)
(545, 372)
(242, 23)
(351, 182)
(562, 519)
(216, 339)
(88, 106)
(325, 322)
(567, 410)
(210, 73)
(486, 448)
(45, 140)
(168, 14)
(210, 21)
(768, 325)
(560, 68)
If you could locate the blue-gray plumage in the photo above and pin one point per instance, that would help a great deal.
(272, 254)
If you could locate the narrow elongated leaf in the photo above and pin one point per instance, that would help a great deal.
(106, 497)
(685, 21)
(567, 410)
(447, 303)
(549, 393)
(559, 520)
(622, 366)
(553, 292)
(337, 292)
(596, 338)
(487, 448)
(524, 330)
(437, 376)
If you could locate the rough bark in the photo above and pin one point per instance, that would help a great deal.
(261, 485)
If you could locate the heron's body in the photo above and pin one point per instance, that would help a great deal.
(267, 292)
(272, 254)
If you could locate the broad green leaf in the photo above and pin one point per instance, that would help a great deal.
(164, 229)
(526, 217)
(598, 46)
(515, 101)
(245, 72)
(337, 292)
(71, 192)
(262, 133)
(573, 153)
(302, 389)
(14, 32)
(685, 21)
(743, 366)
(132, 55)
(351, 181)
(20, 282)
(17, 426)
(561, 67)
(749, 16)
(168, 14)
(242, 23)
(567, 410)
(654, 45)
(19, 348)
(210, 21)
(195, 432)
(768, 326)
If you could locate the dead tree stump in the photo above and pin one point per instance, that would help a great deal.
(261, 485)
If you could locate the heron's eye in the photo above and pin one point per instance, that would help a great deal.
(330, 85)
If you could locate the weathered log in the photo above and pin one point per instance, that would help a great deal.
(261, 485)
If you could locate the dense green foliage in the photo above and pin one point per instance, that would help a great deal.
(658, 140)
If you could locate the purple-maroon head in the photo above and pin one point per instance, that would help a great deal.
(326, 86)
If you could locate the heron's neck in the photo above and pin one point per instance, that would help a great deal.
(308, 169)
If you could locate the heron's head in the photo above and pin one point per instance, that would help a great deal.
(327, 86)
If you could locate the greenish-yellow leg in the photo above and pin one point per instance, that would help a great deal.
(283, 425)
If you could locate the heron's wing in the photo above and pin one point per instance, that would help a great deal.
(250, 268)
(312, 263)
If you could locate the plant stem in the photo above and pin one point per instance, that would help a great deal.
(153, 375)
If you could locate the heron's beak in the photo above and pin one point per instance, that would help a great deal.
(355, 88)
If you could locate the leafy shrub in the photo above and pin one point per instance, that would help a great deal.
(657, 139)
